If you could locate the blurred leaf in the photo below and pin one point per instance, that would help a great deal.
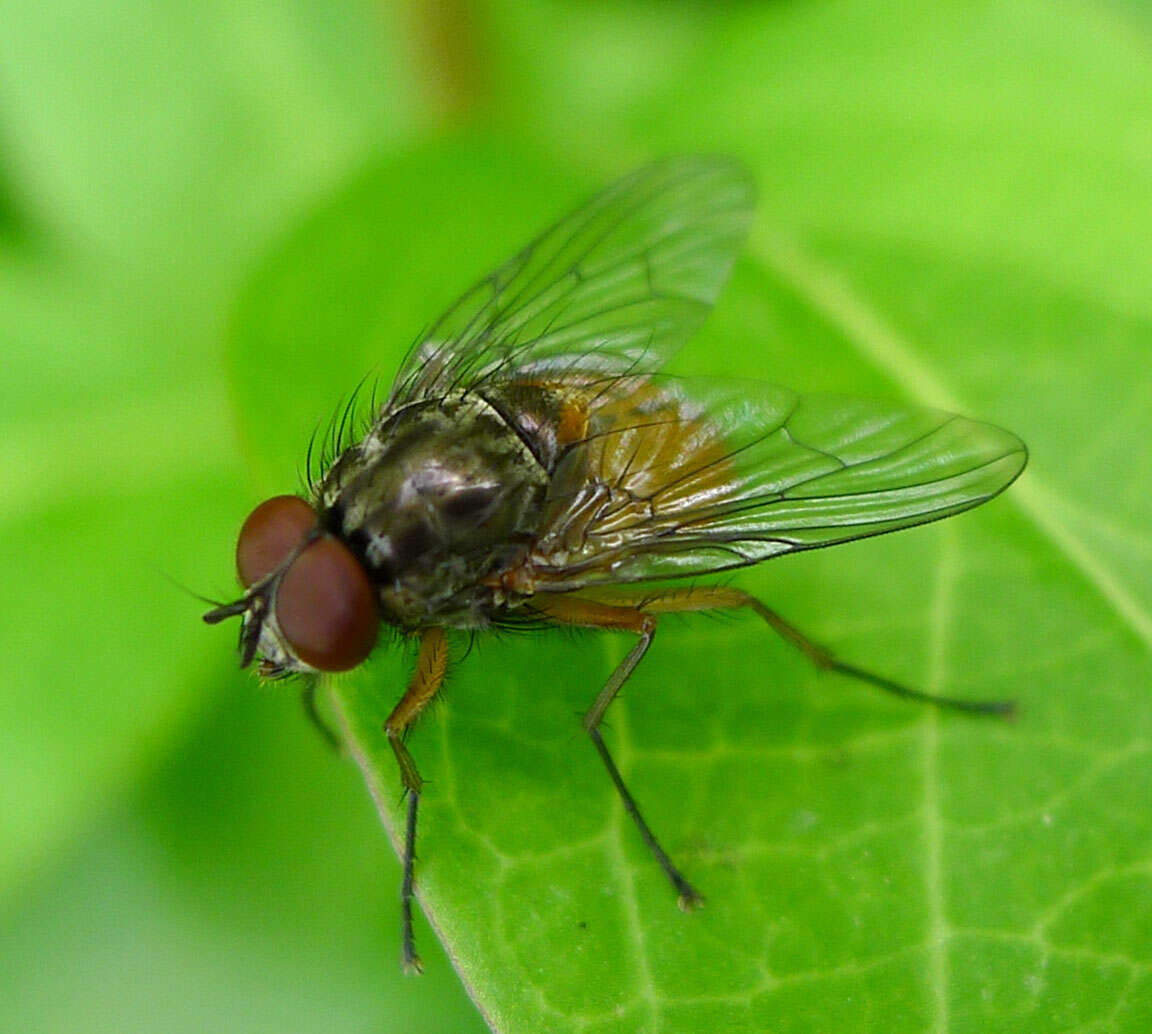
(15, 228)
(135, 123)
(152, 149)
(866, 862)
(176, 907)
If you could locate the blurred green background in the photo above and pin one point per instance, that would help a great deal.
(216, 217)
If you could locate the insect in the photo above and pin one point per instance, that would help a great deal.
(532, 465)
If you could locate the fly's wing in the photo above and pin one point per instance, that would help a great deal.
(664, 483)
(614, 287)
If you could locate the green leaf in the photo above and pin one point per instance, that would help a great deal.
(865, 861)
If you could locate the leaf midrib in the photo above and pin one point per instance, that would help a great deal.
(878, 342)
(830, 294)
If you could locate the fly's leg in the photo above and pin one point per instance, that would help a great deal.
(720, 598)
(308, 699)
(426, 680)
(568, 610)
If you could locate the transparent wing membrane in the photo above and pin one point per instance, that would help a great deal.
(615, 286)
(669, 478)
(671, 482)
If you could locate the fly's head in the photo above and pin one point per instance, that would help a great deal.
(308, 605)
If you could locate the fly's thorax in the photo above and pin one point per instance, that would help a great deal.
(546, 415)
(435, 498)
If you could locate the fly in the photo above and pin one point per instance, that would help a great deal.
(532, 466)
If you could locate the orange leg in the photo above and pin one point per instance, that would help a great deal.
(426, 681)
(308, 699)
(681, 600)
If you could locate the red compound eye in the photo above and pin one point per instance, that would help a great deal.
(325, 604)
(326, 607)
(273, 530)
